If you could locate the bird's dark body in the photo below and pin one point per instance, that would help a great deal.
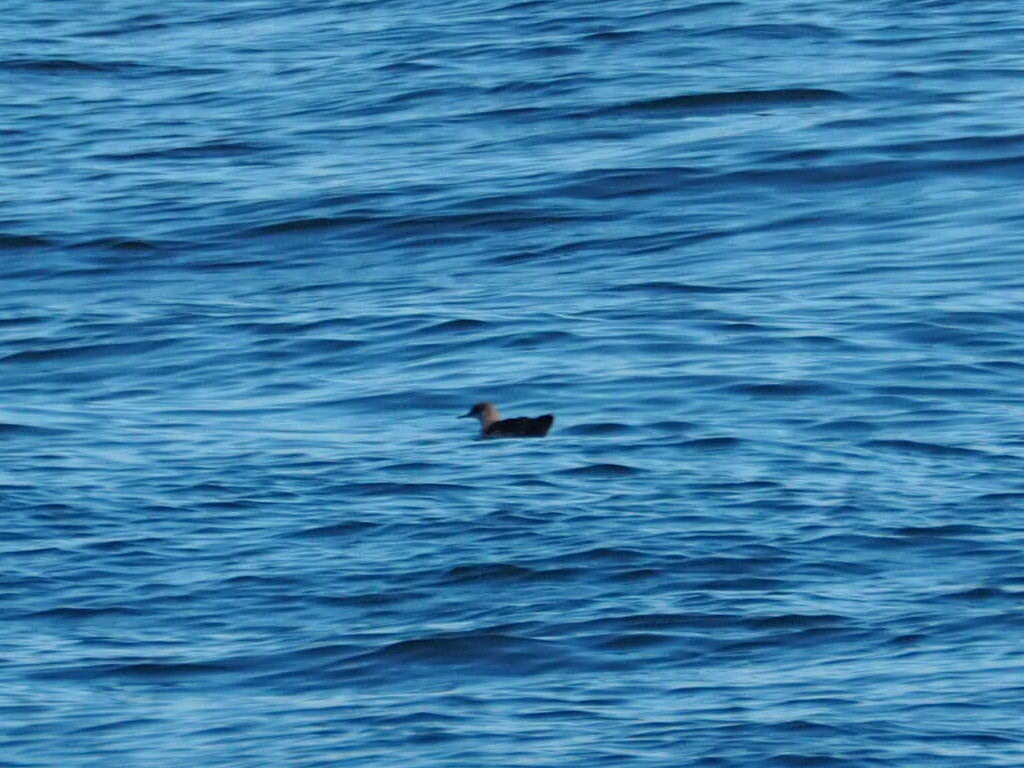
(524, 426)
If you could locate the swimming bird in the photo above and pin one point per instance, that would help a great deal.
(492, 425)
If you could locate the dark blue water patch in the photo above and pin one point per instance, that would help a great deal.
(121, 544)
(324, 346)
(796, 621)
(710, 443)
(802, 177)
(344, 529)
(375, 226)
(24, 319)
(488, 572)
(126, 250)
(824, 341)
(911, 640)
(846, 427)
(1011, 496)
(618, 183)
(983, 595)
(601, 470)
(29, 429)
(639, 642)
(454, 326)
(211, 149)
(598, 429)
(532, 340)
(639, 574)
(311, 226)
(937, 531)
(812, 760)
(682, 13)
(669, 288)
(613, 37)
(57, 66)
(961, 145)
(402, 489)
(142, 22)
(470, 653)
(121, 70)
(804, 32)
(727, 101)
(83, 352)
(228, 265)
(74, 613)
(914, 447)
(13, 242)
(673, 427)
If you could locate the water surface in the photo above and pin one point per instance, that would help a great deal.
(761, 261)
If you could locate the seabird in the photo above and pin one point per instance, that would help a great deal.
(492, 425)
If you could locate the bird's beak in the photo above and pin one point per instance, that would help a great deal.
(466, 415)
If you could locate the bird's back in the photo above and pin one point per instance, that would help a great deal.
(524, 426)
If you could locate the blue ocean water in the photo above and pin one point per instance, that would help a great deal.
(761, 259)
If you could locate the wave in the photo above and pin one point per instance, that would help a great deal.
(8, 428)
(599, 429)
(692, 102)
(670, 288)
(57, 66)
(601, 470)
(16, 242)
(205, 150)
(84, 351)
(489, 653)
(922, 448)
(343, 529)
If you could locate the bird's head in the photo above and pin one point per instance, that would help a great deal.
(485, 411)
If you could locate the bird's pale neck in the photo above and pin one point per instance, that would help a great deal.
(488, 415)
